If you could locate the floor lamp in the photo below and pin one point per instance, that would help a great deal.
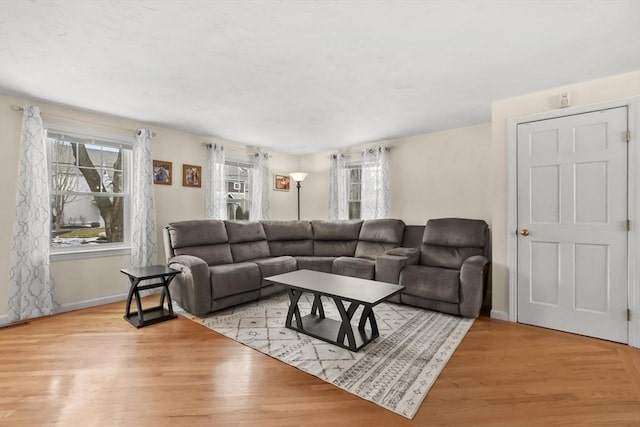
(298, 177)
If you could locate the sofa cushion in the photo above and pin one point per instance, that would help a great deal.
(378, 236)
(197, 233)
(354, 267)
(446, 257)
(316, 263)
(292, 248)
(334, 248)
(336, 230)
(248, 240)
(250, 250)
(275, 265)
(382, 231)
(245, 231)
(335, 238)
(289, 237)
(205, 239)
(455, 232)
(288, 230)
(211, 254)
(370, 250)
(447, 242)
(433, 283)
(232, 279)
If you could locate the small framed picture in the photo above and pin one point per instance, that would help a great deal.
(162, 172)
(281, 182)
(191, 176)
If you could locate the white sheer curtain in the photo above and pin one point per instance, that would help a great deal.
(338, 188)
(376, 192)
(31, 288)
(259, 187)
(216, 205)
(143, 213)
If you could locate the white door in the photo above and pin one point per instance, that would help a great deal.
(572, 224)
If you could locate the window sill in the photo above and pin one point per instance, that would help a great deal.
(71, 254)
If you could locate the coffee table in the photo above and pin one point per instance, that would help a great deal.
(342, 289)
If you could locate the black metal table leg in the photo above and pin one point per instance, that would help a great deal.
(163, 294)
(367, 314)
(294, 297)
(167, 282)
(138, 302)
(345, 325)
(132, 289)
(317, 306)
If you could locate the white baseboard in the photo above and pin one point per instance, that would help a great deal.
(499, 315)
(71, 306)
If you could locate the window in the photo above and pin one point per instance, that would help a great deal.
(354, 182)
(89, 192)
(236, 180)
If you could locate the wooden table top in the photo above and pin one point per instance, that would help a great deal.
(150, 272)
(345, 287)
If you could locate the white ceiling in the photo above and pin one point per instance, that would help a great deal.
(308, 76)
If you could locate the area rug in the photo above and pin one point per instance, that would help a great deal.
(396, 371)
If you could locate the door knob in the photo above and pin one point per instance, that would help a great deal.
(524, 232)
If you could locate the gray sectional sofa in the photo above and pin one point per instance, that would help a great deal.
(443, 265)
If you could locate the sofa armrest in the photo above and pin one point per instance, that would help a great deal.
(192, 287)
(473, 276)
(388, 267)
(413, 254)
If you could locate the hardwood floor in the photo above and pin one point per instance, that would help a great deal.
(92, 368)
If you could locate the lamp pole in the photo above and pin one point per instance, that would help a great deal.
(298, 177)
(298, 187)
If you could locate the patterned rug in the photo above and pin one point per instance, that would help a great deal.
(396, 371)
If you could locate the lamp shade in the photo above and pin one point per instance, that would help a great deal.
(298, 176)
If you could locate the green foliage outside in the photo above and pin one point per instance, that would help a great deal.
(82, 233)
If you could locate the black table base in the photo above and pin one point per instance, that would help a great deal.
(340, 333)
(149, 316)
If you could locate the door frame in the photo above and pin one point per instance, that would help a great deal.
(633, 203)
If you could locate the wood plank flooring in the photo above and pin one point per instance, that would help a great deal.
(92, 368)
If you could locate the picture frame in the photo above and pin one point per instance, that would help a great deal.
(162, 172)
(281, 182)
(191, 176)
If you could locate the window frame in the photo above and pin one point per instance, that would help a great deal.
(243, 163)
(349, 166)
(124, 142)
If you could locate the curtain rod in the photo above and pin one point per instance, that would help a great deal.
(17, 108)
(237, 150)
(359, 153)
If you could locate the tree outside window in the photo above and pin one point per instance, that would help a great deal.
(88, 190)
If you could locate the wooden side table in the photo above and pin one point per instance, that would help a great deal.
(151, 315)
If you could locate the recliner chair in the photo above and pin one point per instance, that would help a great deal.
(451, 272)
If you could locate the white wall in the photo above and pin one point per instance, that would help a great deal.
(283, 204)
(582, 94)
(443, 174)
(436, 175)
(314, 194)
(82, 280)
